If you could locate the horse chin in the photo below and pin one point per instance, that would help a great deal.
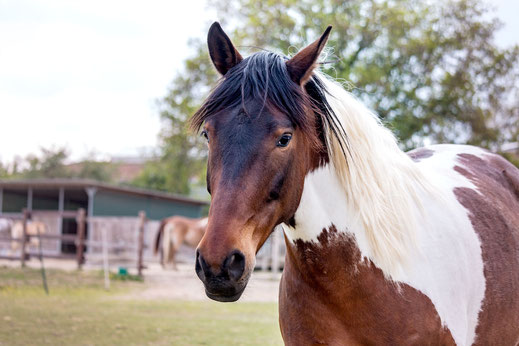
(230, 292)
(225, 298)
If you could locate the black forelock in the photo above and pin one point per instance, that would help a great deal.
(263, 78)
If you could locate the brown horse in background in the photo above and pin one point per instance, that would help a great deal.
(175, 231)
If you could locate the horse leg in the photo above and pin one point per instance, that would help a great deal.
(168, 249)
(165, 249)
(161, 256)
(177, 242)
(171, 259)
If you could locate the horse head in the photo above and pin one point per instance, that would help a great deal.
(263, 137)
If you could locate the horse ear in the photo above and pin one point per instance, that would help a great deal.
(222, 52)
(301, 66)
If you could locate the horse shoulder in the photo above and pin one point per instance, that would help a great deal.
(483, 251)
(494, 213)
(330, 294)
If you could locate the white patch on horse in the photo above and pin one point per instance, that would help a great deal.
(447, 264)
(450, 268)
(322, 204)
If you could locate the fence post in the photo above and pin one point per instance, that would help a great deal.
(106, 266)
(142, 224)
(24, 237)
(80, 240)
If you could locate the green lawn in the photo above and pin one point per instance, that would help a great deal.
(79, 311)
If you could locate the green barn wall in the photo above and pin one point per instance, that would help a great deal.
(75, 200)
(40, 202)
(109, 203)
(14, 201)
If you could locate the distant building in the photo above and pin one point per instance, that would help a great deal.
(57, 201)
(99, 199)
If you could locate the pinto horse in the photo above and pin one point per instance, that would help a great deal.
(383, 247)
(175, 231)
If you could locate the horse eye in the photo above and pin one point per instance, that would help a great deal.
(284, 140)
(204, 133)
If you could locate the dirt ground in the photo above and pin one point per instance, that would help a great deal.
(182, 284)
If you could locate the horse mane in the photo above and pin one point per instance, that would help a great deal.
(381, 182)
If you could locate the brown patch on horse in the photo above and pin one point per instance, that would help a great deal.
(420, 153)
(494, 214)
(344, 299)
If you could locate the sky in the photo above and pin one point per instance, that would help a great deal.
(86, 75)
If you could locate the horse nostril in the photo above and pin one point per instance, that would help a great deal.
(201, 267)
(235, 265)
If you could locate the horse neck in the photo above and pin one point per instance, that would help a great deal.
(370, 189)
(329, 216)
(325, 218)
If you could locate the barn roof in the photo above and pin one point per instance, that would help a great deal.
(86, 183)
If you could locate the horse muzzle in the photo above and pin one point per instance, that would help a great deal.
(228, 281)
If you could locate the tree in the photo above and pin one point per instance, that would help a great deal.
(96, 170)
(153, 176)
(183, 155)
(51, 163)
(432, 71)
(4, 171)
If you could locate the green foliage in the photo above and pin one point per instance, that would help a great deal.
(96, 170)
(182, 162)
(153, 176)
(126, 277)
(51, 163)
(429, 69)
(513, 158)
(4, 171)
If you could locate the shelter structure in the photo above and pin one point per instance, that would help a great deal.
(112, 209)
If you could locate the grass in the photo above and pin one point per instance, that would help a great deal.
(79, 311)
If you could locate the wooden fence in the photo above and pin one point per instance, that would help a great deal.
(78, 239)
(119, 241)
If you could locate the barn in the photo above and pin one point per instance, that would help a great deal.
(113, 209)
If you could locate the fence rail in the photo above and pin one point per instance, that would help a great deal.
(122, 240)
(78, 239)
